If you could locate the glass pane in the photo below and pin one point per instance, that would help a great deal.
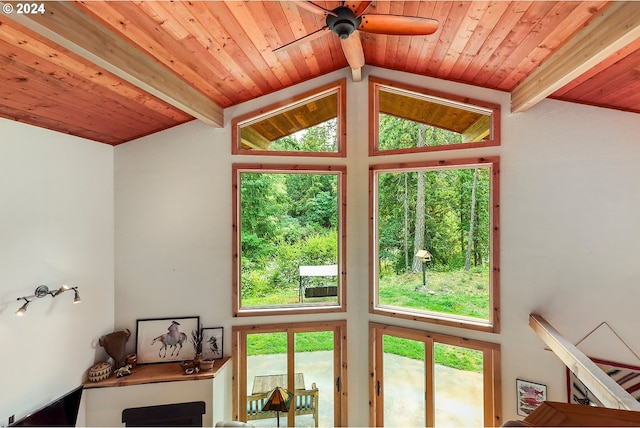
(288, 221)
(314, 373)
(404, 375)
(434, 230)
(308, 126)
(409, 120)
(266, 369)
(458, 386)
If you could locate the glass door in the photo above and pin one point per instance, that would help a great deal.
(426, 379)
(304, 363)
(404, 384)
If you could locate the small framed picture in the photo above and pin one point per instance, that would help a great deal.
(165, 340)
(212, 338)
(530, 396)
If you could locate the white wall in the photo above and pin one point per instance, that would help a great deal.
(56, 227)
(568, 230)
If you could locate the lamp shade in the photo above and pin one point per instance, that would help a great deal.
(279, 400)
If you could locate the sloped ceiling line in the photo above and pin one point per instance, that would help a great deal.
(615, 28)
(71, 28)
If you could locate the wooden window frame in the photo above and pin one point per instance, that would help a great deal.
(491, 371)
(375, 84)
(239, 363)
(493, 324)
(339, 87)
(341, 305)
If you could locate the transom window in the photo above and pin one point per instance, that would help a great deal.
(435, 242)
(313, 122)
(289, 223)
(440, 121)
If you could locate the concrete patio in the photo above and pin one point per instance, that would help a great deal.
(458, 397)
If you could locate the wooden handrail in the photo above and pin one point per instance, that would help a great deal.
(598, 382)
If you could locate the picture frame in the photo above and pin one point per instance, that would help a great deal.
(627, 376)
(165, 340)
(530, 395)
(212, 343)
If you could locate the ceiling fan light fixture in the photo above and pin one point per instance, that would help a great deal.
(344, 23)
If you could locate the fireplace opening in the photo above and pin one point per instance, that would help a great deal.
(166, 415)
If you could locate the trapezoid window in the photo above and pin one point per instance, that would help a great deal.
(411, 119)
(312, 123)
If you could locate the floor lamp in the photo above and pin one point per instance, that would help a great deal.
(279, 401)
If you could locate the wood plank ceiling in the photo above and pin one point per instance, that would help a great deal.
(113, 71)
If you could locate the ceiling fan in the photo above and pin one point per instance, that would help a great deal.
(349, 18)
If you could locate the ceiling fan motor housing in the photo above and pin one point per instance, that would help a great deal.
(344, 23)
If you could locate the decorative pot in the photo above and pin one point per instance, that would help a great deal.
(206, 365)
(99, 371)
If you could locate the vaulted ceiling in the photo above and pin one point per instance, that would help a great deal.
(113, 71)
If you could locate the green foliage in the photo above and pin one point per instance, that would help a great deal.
(319, 138)
(254, 284)
(397, 133)
(288, 220)
(447, 210)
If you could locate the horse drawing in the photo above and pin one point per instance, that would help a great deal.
(169, 340)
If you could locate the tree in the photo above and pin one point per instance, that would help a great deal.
(472, 218)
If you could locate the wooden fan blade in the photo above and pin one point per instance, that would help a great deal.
(306, 39)
(312, 7)
(358, 7)
(397, 25)
(352, 48)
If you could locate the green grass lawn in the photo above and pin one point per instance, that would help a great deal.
(456, 293)
(450, 356)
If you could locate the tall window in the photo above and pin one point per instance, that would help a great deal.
(289, 224)
(435, 241)
(312, 123)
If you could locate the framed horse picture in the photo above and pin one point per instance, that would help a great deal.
(212, 343)
(165, 340)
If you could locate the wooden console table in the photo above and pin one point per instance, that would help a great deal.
(154, 373)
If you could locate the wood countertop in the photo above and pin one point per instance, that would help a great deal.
(155, 373)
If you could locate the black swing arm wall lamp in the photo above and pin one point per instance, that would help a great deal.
(43, 291)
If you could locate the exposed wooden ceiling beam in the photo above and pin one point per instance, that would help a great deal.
(603, 387)
(71, 28)
(616, 27)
